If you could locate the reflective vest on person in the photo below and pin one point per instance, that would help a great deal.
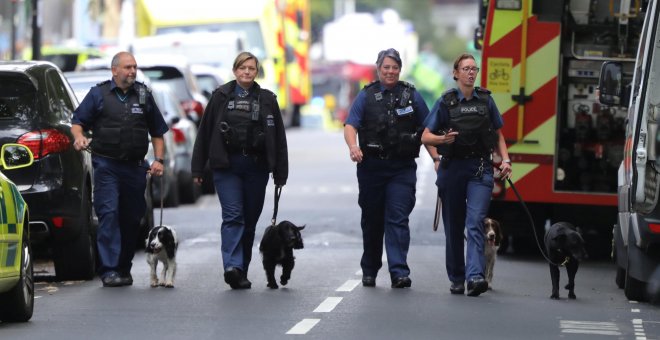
(471, 119)
(121, 131)
(389, 126)
(243, 128)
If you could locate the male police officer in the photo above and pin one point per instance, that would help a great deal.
(387, 116)
(465, 126)
(121, 113)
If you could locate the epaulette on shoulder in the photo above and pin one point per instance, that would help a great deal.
(371, 84)
(407, 84)
(103, 82)
(482, 89)
(450, 97)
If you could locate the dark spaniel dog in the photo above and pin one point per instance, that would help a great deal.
(277, 247)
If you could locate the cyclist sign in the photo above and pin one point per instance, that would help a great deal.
(499, 74)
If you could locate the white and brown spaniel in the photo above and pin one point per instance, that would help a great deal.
(493, 233)
(161, 245)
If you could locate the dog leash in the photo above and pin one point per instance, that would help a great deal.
(278, 193)
(529, 216)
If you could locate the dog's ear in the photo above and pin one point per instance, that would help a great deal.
(301, 228)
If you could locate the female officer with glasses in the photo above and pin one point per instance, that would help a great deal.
(387, 116)
(464, 125)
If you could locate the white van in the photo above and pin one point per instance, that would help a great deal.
(218, 49)
(637, 231)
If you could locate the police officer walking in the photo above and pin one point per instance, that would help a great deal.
(121, 113)
(387, 117)
(465, 125)
(241, 135)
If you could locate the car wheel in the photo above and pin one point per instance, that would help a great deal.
(189, 191)
(18, 303)
(76, 259)
(620, 279)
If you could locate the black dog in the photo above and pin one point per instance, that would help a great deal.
(277, 247)
(564, 246)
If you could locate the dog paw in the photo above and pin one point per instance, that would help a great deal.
(554, 296)
(169, 285)
(572, 296)
(154, 283)
(284, 282)
(272, 285)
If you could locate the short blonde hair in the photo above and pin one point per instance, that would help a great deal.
(242, 58)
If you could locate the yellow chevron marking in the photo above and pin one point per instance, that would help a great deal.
(544, 134)
(521, 170)
(545, 66)
(507, 21)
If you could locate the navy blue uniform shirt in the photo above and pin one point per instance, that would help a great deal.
(357, 109)
(439, 117)
(92, 106)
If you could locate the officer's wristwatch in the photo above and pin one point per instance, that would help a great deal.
(160, 160)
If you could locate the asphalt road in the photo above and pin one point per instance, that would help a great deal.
(324, 299)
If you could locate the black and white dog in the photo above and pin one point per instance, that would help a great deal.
(277, 247)
(161, 246)
(564, 246)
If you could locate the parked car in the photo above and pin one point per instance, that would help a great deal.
(209, 78)
(173, 70)
(184, 132)
(16, 273)
(36, 107)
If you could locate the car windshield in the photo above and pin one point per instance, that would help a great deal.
(17, 98)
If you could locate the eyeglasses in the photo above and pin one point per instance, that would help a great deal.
(468, 69)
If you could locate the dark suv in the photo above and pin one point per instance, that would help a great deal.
(36, 106)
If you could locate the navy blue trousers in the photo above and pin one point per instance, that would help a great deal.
(119, 204)
(387, 197)
(241, 190)
(465, 200)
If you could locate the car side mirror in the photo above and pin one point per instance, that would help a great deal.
(610, 84)
(14, 156)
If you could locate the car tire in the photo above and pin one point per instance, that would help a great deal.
(620, 278)
(189, 191)
(76, 259)
(172, 198)
(17, 304)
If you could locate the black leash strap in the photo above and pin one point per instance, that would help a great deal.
(278, 193)
(436, 218)
(529, 216)
(161, 199)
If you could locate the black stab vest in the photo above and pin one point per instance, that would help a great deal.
(121, 131)
(243, 129)
(476, 135)
(389, 126)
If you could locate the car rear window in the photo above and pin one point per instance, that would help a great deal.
(162, 73)
(17, 98)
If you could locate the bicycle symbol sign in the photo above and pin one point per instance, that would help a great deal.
(499, 74)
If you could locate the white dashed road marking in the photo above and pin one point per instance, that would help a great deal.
(638, 325)
(328, 304)
(589, 327)
(348, 286)
(303, 326)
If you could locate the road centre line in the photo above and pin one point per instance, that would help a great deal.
(348, 286)
(303, 326)
(328, 304)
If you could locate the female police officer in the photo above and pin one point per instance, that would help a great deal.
(387, 116)
(241, 135)
(465, 126)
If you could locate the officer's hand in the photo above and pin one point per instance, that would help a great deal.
(449, 137)
(81, 142)
(156, 168)
(198, 180)
(356, 153)
(505, 170)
